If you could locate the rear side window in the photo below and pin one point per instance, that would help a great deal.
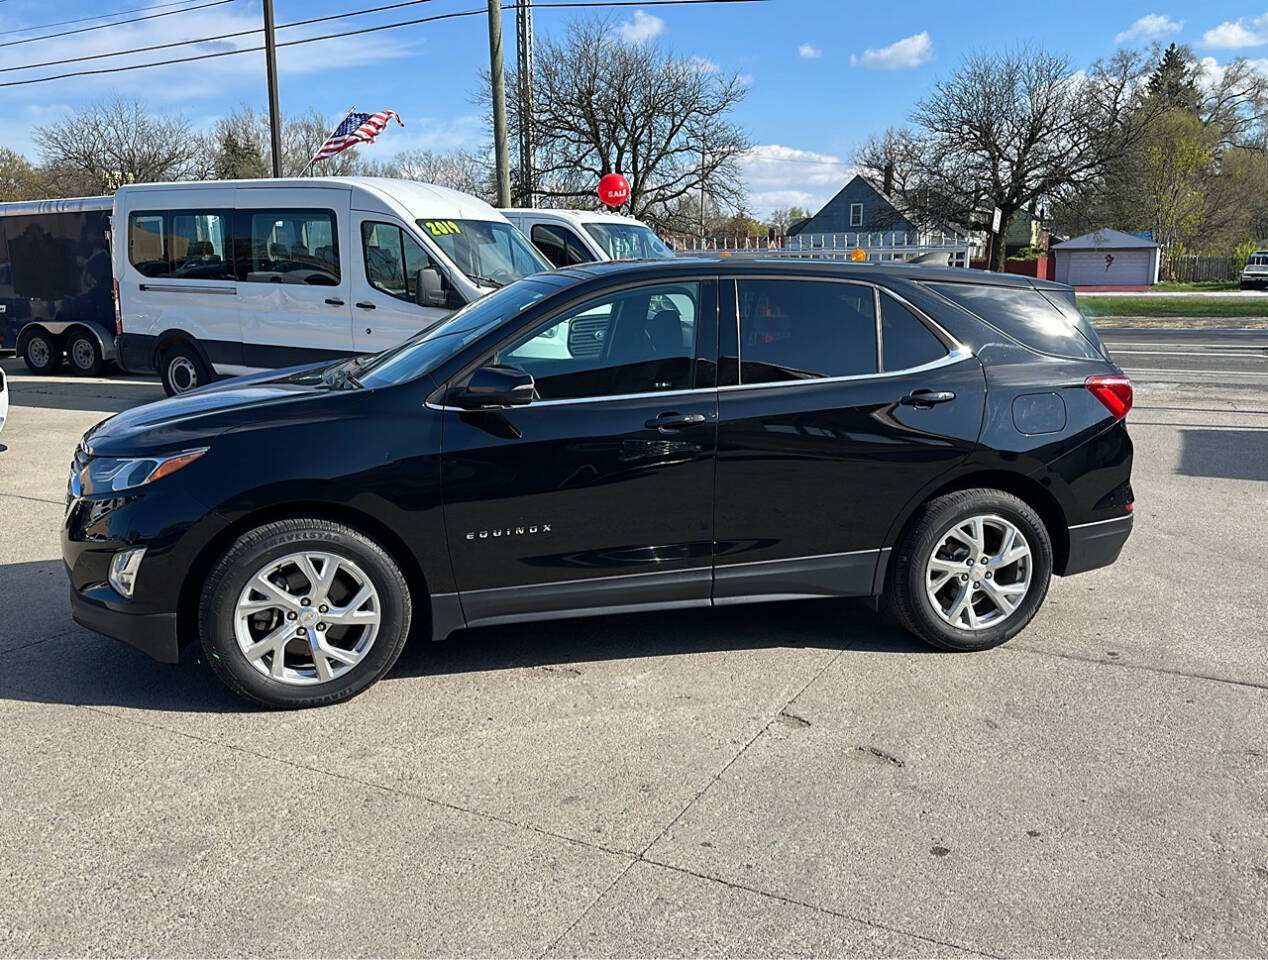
(905, 341)
(290, 246)
(181, 244)
(805, 330)
(1024, 314)
(558, 245)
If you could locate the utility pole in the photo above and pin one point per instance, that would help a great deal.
(702, 189)
(275, 114)
(499, 103)
(524, 76)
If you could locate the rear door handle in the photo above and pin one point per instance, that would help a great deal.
(667, 422)
(334, 301)
(927, 398)
(365, 305)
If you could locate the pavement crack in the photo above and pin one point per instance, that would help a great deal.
(1149, 668)
(23, 496)
(589, 907)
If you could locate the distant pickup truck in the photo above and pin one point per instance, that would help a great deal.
(1255, 273)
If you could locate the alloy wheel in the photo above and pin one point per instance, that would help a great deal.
(307, 618)
(979, 573)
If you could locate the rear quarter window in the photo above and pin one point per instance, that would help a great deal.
(1024, 314)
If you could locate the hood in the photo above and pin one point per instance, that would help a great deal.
(191, 419)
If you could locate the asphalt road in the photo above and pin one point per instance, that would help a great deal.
(781, 779)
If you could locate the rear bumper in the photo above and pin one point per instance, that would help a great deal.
(151, 633)
(1098, 544)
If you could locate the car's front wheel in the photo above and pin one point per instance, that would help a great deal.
(301, 613)
(971, 570)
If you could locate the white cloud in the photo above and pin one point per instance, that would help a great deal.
(908, 52)
(1211, 71)
(1231, 34)
(642, 28)
(1152, 26)
(808, 51)
(769, 169)
(700, 64)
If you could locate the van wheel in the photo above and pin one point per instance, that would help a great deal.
(85, 355)
(301, 613)
(971, 570)
(42, 353)
(182, 370)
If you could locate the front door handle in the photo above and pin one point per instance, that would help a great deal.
(668, 422)
(334, 301)
(927, 398)
(365, 305)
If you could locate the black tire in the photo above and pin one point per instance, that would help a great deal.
(84, 354)
(42, 353)
(906, 596)
(254, 550)
(181, 369)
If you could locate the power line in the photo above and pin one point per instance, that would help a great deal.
(221, 36)
(352, 33)
(119, 23)
(100, 16)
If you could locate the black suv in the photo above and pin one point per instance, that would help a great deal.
(623, 436)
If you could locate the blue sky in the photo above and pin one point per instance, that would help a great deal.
(823, 74)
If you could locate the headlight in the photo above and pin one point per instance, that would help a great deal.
(112, 474)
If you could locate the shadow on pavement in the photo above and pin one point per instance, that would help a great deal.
(1227, 454)
(112, 397)
(75, 666)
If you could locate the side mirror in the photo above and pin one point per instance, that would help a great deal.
(496, 386)
(429, 288)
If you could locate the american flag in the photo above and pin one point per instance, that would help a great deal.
(356, 128)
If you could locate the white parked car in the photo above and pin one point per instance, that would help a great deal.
(569, 237)
(231, 277)
(1255, 273)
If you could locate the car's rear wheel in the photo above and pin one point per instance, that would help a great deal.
(85, 355)
(42, 353)
(181, 369)
(971, 570)
(301, 613)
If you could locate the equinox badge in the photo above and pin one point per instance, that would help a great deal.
(518, 531)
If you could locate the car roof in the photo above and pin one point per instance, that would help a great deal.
(572, 216)
(847, 270)
(67, 205)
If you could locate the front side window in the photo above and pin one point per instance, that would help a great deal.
(629, 241)
(636, 341)
(181, 244)
(805, 330)
(492, 254)
(393, 260)
(291, 246)
(559, 245)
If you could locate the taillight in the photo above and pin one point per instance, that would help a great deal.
(1113, 391)
(118, 312)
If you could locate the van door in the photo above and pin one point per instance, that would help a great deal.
(175, 274)
(292, 271)
(386, 269)
(559, 244)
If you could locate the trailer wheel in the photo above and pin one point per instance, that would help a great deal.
(42, 352)
(84, 354)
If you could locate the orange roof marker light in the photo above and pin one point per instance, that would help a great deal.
(858, 254)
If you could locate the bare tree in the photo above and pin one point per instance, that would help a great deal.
(19, 180)
(1014, 129)
(456, 169)
(603, 106)
(114, 142)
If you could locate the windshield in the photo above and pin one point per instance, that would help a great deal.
(628, 241)
(492, 254)
(428, 348)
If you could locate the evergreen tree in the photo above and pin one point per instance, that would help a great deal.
(1173, 82)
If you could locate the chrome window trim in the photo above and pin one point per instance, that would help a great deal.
(813, 556)
(955, 356)
(573, 400)
(1097, 523)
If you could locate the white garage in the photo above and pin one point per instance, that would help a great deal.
(1107, 258)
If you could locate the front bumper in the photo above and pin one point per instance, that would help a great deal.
(1098, 544)
(151, 633)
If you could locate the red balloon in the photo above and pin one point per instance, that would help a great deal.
(614, 189)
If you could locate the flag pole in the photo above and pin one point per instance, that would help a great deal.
(313, 159)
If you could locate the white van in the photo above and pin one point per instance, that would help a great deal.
(230, 277)
(569, 237)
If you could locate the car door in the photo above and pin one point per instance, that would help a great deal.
(386, 273)
(599, 493)
(838, 403)
(292, 268)
(558, 244)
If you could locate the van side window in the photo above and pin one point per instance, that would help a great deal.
(181, 244)
(559, 245)
(393, 260)
(805, 330)
(290, 246)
